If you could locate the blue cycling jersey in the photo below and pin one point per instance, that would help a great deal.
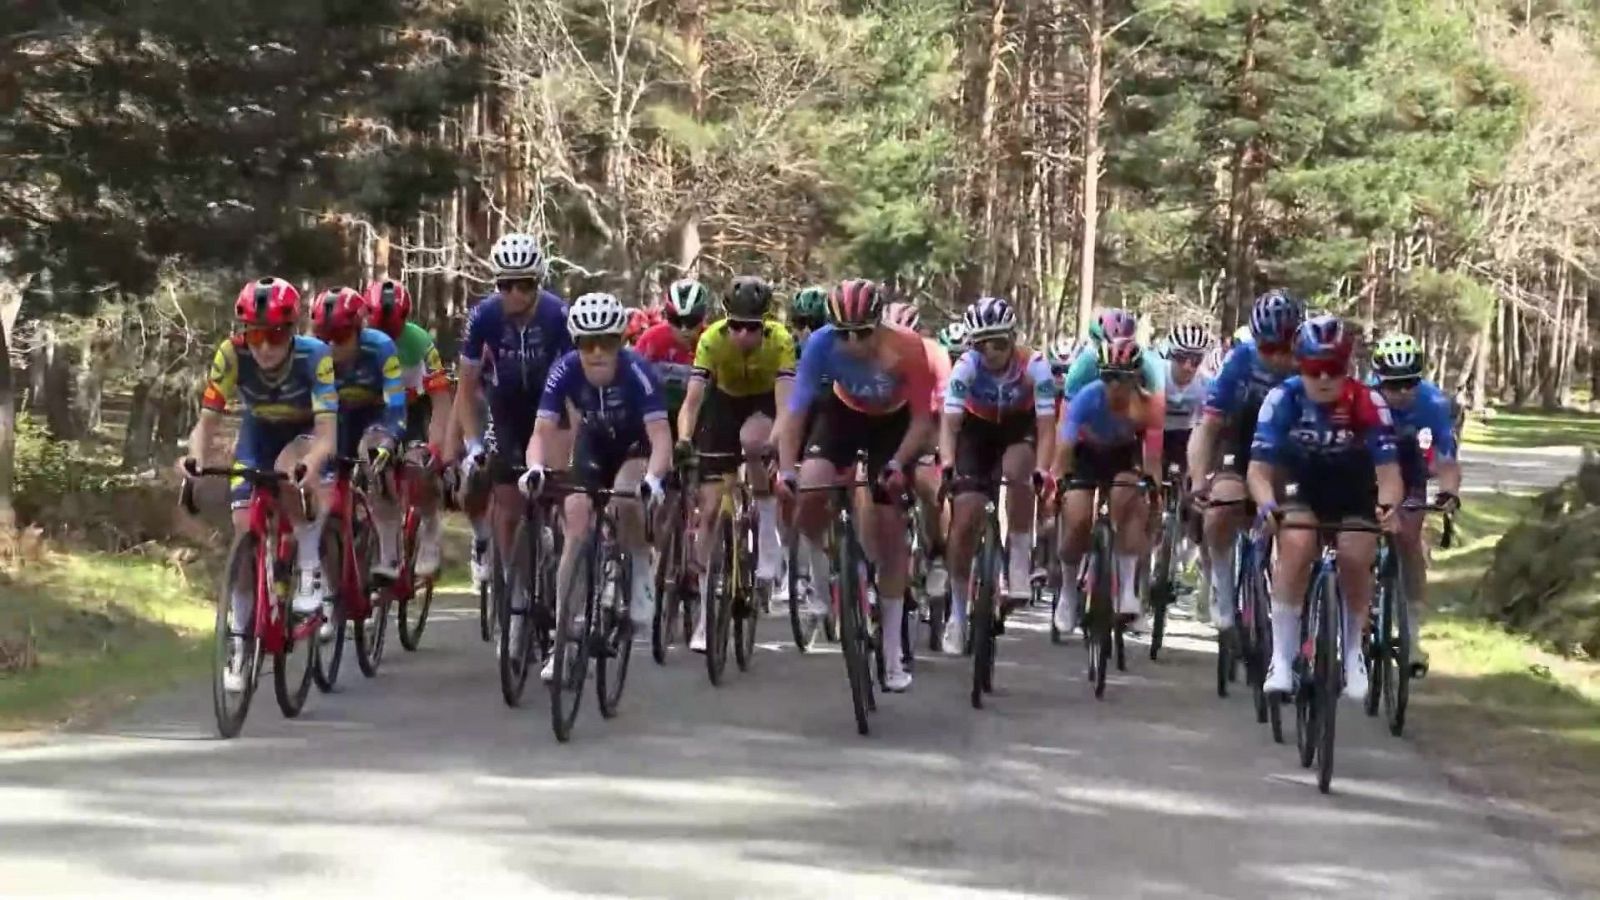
(1243, 382)
(515, 356)
(614, 415)
(301, 388)
(1429, 409)
(371, 379)
(1292, 430)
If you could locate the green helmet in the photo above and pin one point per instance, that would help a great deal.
(1397, 356)
(953, 337)
(809, 303)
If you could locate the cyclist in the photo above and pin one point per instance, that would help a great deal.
(512, 338)
(999, 418)
(428, 408)
(1225, 431)
(1324, 444)
(953, 338)
(1417, 405)
(1112, 324)
(881, 402)
(622, 442)
(1187, 387)
(1113, 431)
(926, 479)
(807, 313)
(284, 384)
(669, 344)
(747, 359)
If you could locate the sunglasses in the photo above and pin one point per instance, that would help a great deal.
(1267, 349)
(1188, 359)
(1118, 377)
(336, 336)
(1400, 384)
(1325, 369)
(994, 344)
(854, 334)
(743, 326)
(275, 337)
(520, 284)
(806, 322)
(685, 321)
(608, 343)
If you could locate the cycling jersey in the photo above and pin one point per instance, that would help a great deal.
(1092, 421)
(740, 374)
(1243, 383)
(515, 357)
(895, 375)
(1292, 430)
(1185, 402)
(370, 382)
(1023, 385)
(940, 363)
(1085, 370)
(1429, 411)
(674, 362)
(302, 389)
(421, 369)
(612, 416)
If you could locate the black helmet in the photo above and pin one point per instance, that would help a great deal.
(749, 298)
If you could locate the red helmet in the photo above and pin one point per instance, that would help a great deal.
(267, 303)
(388, 306)
(855, 303)
(1116, 323)
(336, 313)
(640, 321)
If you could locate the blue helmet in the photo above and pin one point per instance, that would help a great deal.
(1323, 337)
(1275, 317)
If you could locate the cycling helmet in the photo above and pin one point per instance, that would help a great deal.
(267, 303)
(1061, 353)
(903, 314)
(388, 306)
(988, 317)
(686, 297)
(1397, 356)
(855, 303)
(337, 313)
(1111, 324)
(1121, 355)
(953, 337)
(596, 314)
(749, 298)
(517, 255)
(1275, 317)
(811, 303)
(1191, 338)
(1323, 337)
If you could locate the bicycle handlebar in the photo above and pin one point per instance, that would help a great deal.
(268, 479)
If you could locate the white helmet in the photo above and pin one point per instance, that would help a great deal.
(595, 314)
(1189, 338)
(517, 255)
(1062, 352)
(988, 317)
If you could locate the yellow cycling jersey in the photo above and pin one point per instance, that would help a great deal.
(741, 374)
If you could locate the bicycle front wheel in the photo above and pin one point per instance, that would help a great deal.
(1101, 615)
(1328, 671)
(1397, 662)
(665, 576)
(293, 663)
(615, 634)
(516, 631)
(853, 636)
(985, 587)
(1163, 588)
(231, 707)
(748, 603)
(802, 624)
(718, 598)
(330, 655)
(575, 620)
(412, 615)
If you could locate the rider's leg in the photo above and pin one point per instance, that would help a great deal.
(310, 593)
(926, 485)
(753, 439)
(1016, 466)
(965, 518)
(1296, 548)
(1356, 553)
(1076, 518)
(385, 506)
(630, 532)
(893, 562)
(1221, 525)
(1414, 568)
(1130, 510)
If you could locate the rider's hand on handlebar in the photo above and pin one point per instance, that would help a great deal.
(189, 467)
(682, 454)
(531, 484)
(892, 478)
(1266, 518)
(1387, 518)
(786, 485)
(1448, 502)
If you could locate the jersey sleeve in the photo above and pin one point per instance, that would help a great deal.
(959, 385)
(1084, 371)
(1442, 424)
(324, 388)
(554, 312)
(477, 334)
(1155, 424)
(1080, 410)
(394, 390)
(786, 358)
(222, 382)
(556, 386)
(705, 357)
(1272, 426)
(808, 380)
(646, 390)
(1223, 394)
(1154, 367)
(1378, 423)
(917, 382)
(1044, 387)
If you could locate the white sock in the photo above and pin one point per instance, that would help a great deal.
(308, 541)
(767, 524)
(480, 529)
(889, 616)
(958, 600)
(1352, 641)
(1069, 582)
(817, 562)
(1127, 581)
(1285, 634)
(1019, 546)
(429, 526)
(1223, 586)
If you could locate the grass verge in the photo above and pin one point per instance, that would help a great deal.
(104, 629)
(1508, 719)
(1524, 429)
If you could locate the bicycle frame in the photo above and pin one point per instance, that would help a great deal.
(341, 503)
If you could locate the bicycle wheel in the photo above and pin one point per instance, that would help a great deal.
(1257, 649)
(330, 655)
(1377, 642)
(1162, 589)
(852, 627)
(615, 633)
(372, 633)
(746, 603)
(412, 614)
(718, 598)
(1101, 615)
(985, 590)
(232, 707)
(293, 664)
(573, 639)
(1329, 673)
(486, 611)
(516, 584)
(665, 579)
(1242, 562)
(803, 625)
(1397, 682)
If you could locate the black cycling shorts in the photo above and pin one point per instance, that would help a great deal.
(838, 432)
(1096, 465)
(510, 432)
(353, 426)
(1341, 488)
(1175, 450)
(721, 418)
(597, 457)
(419, 413)
(982, 444)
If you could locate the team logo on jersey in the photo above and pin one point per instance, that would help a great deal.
(391, 368)
(325, 370)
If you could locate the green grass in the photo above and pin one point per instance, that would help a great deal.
(106, 628)
(1526, 429)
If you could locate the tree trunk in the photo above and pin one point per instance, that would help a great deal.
(136, 454)
(1242, 173)
(9, 306)
(1093, 100)
(692, 31)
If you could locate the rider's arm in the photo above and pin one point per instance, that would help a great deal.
(954, 409)
(783, 385)
(325, 409)
(695, 394)
(1258, 480)
(660, 437)
(470, 384)
(1201, 441)
(1071, 431)
(1154, 433)
(1445, 461)
(222, 385)
(1221, 398)
(792, 416)
(552, 404)
(394, 391)
(1084, 371)
(1383, 448)
(436, 384)
(1272, 435)
(918, 387)
(1044, 409)
(651, 401)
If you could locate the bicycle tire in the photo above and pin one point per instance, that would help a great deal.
(231, 710)
(717, 597)
(330, 654)
(1377, 641)
(572, 650)
(486, 611)
(513, 662)
(803, 626)
(291, 678)
(616, 626)
(1162, 589)
(1328, 671)
(746, 606)
(852, 631)
(1100, 613)
(1398, 696)
(421, 599)
(665, 580)
(1258, 650)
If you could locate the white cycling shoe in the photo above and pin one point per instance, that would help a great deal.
(1280, 678)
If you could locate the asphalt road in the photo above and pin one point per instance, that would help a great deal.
(1519, 470)
(422, 780)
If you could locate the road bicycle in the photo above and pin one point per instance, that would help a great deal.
(411, 594)
(1387, 643)
(1102, 626)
